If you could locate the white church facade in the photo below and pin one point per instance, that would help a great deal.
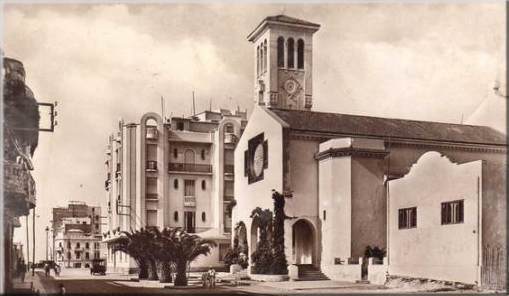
(353, 182)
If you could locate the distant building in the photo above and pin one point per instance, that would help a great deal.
(177, 173)
(77, 235)
(20, 139)
(433, 195)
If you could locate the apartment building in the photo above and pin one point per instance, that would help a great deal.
(76, 235)
(176, 172)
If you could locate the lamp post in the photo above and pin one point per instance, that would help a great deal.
(47, 232)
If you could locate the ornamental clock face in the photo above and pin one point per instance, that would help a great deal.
(258, 160)
(291, 86)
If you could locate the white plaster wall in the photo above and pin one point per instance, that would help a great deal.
(432, 250)
(258, 194)
(335, 198)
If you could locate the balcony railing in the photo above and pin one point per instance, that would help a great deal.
(189, 201)
(230, 138)
(229, 168)
(151, 196)
(151, 165)
(19, 186)
(190, 167)
(228, 198)
(151, 132)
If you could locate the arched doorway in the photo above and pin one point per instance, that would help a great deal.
(241, 234)
(303, 242)
(254, 235)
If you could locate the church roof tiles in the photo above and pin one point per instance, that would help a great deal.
(353, 125)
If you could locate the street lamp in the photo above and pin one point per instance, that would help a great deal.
(47, 231)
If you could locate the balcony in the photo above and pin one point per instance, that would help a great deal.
(151, 165)
(151, 133)
(19, 188)
(151, 196)
(189, 201)
(230, 138)
(228, 198)
(229, 168)
(190, 167)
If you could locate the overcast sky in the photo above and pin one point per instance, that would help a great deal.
(101, 62)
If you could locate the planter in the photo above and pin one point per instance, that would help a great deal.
(234, 268)
(269, 277)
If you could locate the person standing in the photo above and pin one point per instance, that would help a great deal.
(212, 277)
(46, 269)
(23, 270)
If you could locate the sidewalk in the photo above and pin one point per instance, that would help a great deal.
(41, 283)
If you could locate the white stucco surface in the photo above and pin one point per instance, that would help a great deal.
(432, 250)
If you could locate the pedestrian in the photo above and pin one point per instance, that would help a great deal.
(212, 277)
(46, 269)
(61, 289)
(23, 270)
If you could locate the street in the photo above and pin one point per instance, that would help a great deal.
(79, 281)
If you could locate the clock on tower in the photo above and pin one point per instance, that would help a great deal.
(283, 49)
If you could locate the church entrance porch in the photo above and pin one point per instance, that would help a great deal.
(303, 243)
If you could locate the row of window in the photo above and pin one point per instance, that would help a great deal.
(78, 245)
(189, 155)
(189, 186)
(290, 53)
(78, 255)
(451, 213)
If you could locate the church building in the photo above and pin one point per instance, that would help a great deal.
(431, 194)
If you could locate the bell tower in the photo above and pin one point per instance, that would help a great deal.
(283, 50)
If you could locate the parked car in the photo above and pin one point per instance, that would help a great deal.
(98, 266)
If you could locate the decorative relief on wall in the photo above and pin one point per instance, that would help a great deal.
(256, 158)
(291, 90)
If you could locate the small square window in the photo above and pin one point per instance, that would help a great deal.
(407, 218)
(452, 212)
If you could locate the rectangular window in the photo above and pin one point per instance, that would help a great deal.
(452, 212)
(151, 217)
(407, 218)
(223, 249)
(189, 221)
(189, 188)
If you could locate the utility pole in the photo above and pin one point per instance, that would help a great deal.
(28, 240)
(47, 232)
(33, 242)
(194, 109)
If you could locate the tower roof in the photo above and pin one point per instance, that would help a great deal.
(282, 19)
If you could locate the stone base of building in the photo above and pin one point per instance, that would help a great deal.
(269, 277)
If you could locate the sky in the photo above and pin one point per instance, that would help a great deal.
(436, 62)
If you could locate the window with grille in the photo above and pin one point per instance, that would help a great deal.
(452, 212)
(407, 218)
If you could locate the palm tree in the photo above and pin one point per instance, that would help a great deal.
(146, 240)
(131, 247)
(187, 247)
(165, 251)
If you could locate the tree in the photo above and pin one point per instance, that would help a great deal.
(279, 264)
(165, 251)
(187, 247)
(128, 244)
(262, 257)
(147, 241)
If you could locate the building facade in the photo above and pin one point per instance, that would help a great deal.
(337, 172)
(20, 139)
(173, 173)
(77, 235)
